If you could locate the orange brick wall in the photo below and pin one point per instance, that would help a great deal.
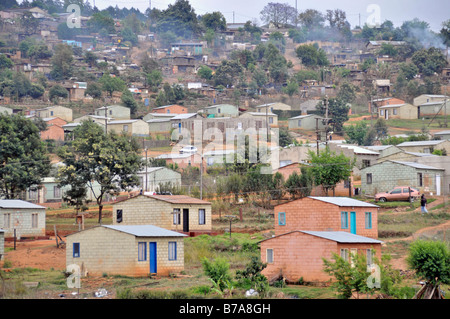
(54, 132)
(174, 109)
(311, 214)
(297, 255)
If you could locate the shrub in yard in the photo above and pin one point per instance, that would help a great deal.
(217, 271)
(251, 276)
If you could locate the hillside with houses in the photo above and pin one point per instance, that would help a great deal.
(183, 151)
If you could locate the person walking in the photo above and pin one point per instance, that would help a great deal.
(423, 204)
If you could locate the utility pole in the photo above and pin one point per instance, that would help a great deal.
(106, 120)
(317, 135)
(326, 120)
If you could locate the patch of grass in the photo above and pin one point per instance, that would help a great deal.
(305, 292)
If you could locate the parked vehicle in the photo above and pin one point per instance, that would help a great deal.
(399, 193)
(188, 149)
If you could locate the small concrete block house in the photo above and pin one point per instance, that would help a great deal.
(222, 110)
(117, 112)
(442, 135)
(298, 254)
(55, 111)
(312, 228)
(306, 122)
(425, 146)
(171, 109)
(178, 213)
(130, 127)
(270, 107)
(131, 250)
(385, 176)
(398, 111)
(271, 118)
(26, 218)
(55, 130)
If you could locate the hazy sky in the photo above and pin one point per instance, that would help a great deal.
(432, 11)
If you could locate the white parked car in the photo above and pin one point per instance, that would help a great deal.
(189, 149)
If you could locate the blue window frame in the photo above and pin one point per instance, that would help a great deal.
(76, 250)
(142, 251)
(172, 250)
(368, 220)
(282, 219)
(344, 220)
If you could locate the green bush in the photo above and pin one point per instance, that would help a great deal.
(217, 271)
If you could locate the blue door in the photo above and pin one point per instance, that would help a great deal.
(153, 268)
(353, 223)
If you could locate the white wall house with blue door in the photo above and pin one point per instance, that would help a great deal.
(129, 250)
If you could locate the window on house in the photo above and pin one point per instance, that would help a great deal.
(282, 219)
(369, 257)
(365, 163)
(299, 123)
(76, 250)
(419, 179)
(119, 215)
(34, 220)
(368, 220)
(395, 111)
(125, 128)
(142, 251)
(32, 194)
(176, 216)
(346, 184)
(270, 120)
(172, 250)
(110, 112)
(51, 113)
(168, 111)
(344, 220)
(218, 111)
(381, 112)
(353, 255)
(7, 220)
(201, 217)
(369, 178)
(344, 253)
(427, 150)
(269, 255)
(56, 192)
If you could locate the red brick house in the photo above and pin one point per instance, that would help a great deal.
(171, 109)
(312, 228)
(55, 130)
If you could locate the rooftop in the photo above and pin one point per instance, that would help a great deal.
(417, 165)
(343, 237)
(343, 201)
(144, 230)
(17, 203)
(421, 143)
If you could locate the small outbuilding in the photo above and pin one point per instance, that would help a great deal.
(129, 250)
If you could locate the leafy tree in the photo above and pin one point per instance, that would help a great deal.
(154, 79)
(128, 35)
(90, 58)
(280, 14)
(110, 160)
(62, 62)
(445, 32)
(57, 91)
(357, 133)
(214, 21)
(429, 61)
(329, 169)
(311, 19)
(29, 22)
(291, 88)
(408, 70)
(5, 62)
(303, 75)
(227, 72)
(101, 21)
(179, 18)
(297, 35)
(430, 260)
(36, 90)
(111, 84)
(205, 72)
(388, 49)
(93, 90)
(347, 92)
(300, 185)
(311, 56)
(129, 101)
(39, 52)
(337, 111)
(23, 156)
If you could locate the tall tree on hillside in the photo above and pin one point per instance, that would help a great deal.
(23, 156)
(279, 14)
(214, 21)
(109, 160)
(311, 19)
(179, 18)
(62, 62)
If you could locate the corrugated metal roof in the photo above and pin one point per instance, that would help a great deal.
(359, 150)
(420, 143)
(17, 203)
(343, 201)
(179, 199)
(442, 133)
(417, 165)
(342, 237)
(144, 230)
